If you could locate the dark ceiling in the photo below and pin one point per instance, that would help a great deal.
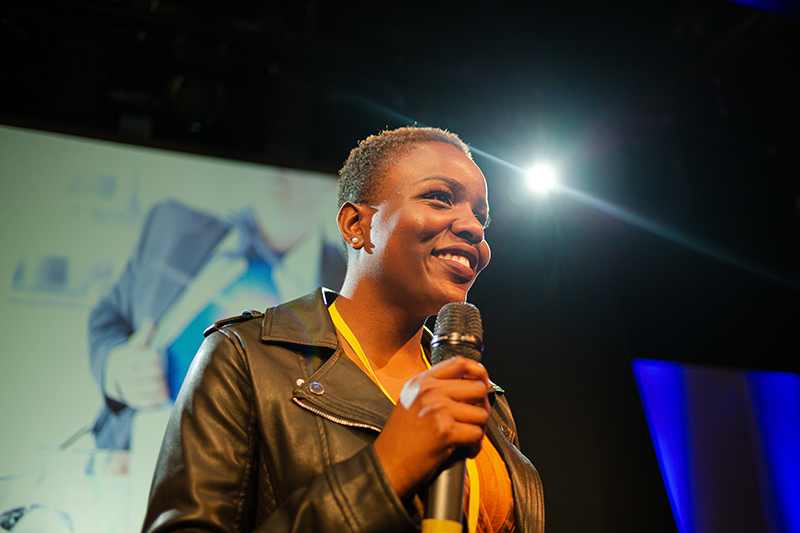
(684, 113)
(701, 95)
(302, 81)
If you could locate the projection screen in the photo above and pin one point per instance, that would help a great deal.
(103, 245)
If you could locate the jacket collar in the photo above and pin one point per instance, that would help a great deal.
(338, 390)
(304, 321)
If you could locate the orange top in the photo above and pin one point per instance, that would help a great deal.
(496, 501)
(493, 494)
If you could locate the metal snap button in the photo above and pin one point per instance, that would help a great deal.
(316, 387)
(299, 381)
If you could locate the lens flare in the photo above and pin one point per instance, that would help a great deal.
(541, 178)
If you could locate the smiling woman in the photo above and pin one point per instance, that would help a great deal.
(287, 420)
(421, 242)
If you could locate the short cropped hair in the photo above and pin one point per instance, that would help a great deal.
(361, 177)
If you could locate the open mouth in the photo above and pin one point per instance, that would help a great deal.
(460, 259)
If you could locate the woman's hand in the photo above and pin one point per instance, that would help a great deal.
(444, 408)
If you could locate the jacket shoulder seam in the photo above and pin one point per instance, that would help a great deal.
(225, 322)
(251, 423)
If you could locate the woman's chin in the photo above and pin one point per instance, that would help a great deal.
(452, 294)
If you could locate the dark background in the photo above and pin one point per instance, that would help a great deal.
(683, 113)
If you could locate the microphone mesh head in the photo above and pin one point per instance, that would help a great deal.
(461, 318)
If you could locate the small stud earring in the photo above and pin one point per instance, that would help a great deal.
(354, 240)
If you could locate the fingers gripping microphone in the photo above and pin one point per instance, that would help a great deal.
(458, 331)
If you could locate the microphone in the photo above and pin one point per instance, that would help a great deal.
(458, 331)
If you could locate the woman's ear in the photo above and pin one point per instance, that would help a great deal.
(351, 221)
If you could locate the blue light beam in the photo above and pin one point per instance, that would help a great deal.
(674, 236)
(610, 209)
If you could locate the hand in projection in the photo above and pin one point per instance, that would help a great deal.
(134, 375)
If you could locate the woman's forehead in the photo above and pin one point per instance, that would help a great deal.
(435, 161)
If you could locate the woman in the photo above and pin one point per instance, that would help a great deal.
(287, 421)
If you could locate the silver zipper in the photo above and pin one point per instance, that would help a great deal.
(336, 419)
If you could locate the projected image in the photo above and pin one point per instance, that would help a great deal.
(115, 261)
(189, 270)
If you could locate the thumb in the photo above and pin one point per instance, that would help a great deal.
(142, 336)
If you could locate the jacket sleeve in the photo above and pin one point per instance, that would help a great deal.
(111, 321)
(174, 244)
(210, 471)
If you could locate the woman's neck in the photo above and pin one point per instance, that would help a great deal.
(384, 331)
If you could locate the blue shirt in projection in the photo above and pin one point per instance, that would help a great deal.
(257, 279)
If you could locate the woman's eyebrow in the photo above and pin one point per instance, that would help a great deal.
(452, 183)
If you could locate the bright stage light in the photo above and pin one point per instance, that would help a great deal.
(541, 178)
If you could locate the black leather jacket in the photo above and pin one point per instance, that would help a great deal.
(273, 431)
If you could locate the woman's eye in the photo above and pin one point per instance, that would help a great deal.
(440, 196)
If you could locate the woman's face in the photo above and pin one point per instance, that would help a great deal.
(425, 239)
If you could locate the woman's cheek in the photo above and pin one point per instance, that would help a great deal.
(485, 254)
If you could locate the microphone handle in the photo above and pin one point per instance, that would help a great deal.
(445, 508)
(458, 331)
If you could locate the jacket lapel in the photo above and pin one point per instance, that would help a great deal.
(341, 392)
(525, 481)
(337, 389)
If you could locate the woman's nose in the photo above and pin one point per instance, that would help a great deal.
(467, 226)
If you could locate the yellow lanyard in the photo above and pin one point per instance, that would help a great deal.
(472, 469)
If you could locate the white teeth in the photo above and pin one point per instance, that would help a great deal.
(457, 258)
